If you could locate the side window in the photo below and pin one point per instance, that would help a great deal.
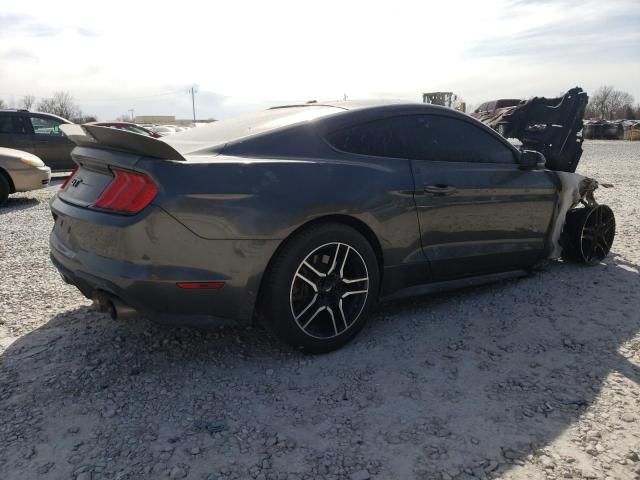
(21, 125)
(6, 124)
(13, 124)
(446, 139)
(380, 138)
(46, 126)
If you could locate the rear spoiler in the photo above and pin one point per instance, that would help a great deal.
(108, 138)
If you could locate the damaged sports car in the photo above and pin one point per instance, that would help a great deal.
(304, 216)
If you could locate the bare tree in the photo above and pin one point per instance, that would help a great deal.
(599, 101)
(61, 104)
(609, 103)
(84, 119)
(2, 104)
(28, 101)
(616, 103)
(628, 113)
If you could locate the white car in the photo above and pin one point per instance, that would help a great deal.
(163, 130)
(21, 172)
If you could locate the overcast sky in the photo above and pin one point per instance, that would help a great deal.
(114, 56)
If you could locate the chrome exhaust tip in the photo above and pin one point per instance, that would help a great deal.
(121, 311)
(112, 306)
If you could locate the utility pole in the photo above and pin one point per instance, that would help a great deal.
(193, 101)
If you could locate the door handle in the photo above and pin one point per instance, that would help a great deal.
(440, 189)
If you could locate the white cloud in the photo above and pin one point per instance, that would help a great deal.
(248, 55)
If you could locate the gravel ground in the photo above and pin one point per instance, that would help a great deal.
(533, 378)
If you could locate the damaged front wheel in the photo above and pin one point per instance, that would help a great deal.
(588, 234)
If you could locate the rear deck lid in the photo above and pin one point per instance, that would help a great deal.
(107, 176)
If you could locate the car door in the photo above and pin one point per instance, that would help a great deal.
(478, 212)
(50, 143)
(15, 132)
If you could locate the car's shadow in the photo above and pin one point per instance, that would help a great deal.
(20, 203)
(476, 379)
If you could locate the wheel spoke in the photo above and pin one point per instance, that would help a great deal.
(344, 261)
(335, 259)
(313, 285)
(322, 308)
(598, 216)
(314, 270)
(333, 319)
(313, 300)
(354, 292)
(344, 318)
(602, 244)
(355, 280)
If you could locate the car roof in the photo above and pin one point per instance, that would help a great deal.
(44, 114)
(331, 116)
(352, 104)
(360, 108)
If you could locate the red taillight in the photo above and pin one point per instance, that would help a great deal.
(68, 179)
(128, 192)
(200, 285)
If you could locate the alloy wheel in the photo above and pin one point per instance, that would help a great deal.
(597, 234)
(329, 290)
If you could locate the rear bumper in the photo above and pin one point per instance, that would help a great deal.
(27, 179)
(141, 259)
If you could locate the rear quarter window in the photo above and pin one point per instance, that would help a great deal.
(380, 138)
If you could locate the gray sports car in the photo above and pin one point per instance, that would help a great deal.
(306, 215)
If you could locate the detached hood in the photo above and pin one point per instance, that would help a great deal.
(550, 126)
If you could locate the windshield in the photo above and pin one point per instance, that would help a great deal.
(225, 131)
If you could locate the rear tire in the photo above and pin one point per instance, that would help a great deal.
(4, 189)
(320, 288)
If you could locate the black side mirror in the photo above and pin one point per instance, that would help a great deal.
(531, 160)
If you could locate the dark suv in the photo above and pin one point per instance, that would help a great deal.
(37, 133)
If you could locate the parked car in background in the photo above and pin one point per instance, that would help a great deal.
(494, 105)
(21, 172)
(603, 129)
(129, 127)
(180, 128)
(304, 215)
(163, 130)
(38, 134)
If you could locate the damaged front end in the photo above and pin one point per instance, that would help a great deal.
(550, 126)
(584, 230)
